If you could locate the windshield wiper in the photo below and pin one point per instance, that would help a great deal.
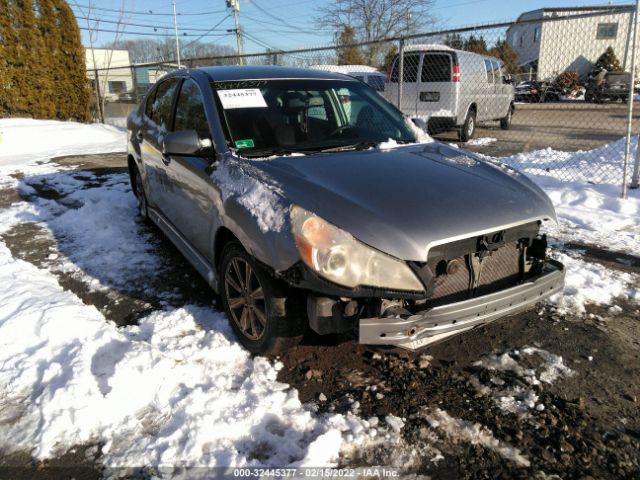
(263, 152)
(363, 145)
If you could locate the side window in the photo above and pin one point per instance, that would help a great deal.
(489, 68)
(190, 110)
(410, 69)
(496, 72)
(148, 106)
(161, 107)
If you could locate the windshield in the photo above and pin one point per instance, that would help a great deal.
(265, 117)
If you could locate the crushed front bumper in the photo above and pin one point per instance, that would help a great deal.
(435, 324)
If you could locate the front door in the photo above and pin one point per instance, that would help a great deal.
(191, 199)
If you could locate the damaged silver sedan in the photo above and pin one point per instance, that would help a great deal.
(307, 201)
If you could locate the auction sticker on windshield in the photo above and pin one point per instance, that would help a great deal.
(242, 98)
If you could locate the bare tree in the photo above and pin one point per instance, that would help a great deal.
(101, 81)
(374, 20)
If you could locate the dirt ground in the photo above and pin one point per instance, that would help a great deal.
(589, 427)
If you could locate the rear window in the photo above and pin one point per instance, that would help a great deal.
(409, 69)
(436, 68)
(619, 77)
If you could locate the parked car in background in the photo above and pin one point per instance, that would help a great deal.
(451, 89)
(608, 86)
(532, 91)
(364, 73)
(288, 207)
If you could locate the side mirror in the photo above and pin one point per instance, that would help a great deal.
(184, 142)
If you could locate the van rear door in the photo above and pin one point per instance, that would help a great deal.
(408, 103)
(439, 79)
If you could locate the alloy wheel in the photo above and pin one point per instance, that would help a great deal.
(245, 298)
(141, 199)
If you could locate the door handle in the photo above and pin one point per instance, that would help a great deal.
(166, 159)
(139, 136)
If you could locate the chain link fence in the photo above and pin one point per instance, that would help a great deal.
(550, 93)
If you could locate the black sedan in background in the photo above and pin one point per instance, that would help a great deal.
(532, 91)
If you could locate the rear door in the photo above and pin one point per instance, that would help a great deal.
(409, 100)
(157, 125)
(437, 90)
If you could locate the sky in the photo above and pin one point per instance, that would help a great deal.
(279, 24)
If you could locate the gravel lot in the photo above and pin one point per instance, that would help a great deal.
(570, 126)
(586, 423)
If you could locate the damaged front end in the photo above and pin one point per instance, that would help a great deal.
(467, 283)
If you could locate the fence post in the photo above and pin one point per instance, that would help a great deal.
(400, 73)
(627, 150)
(98, 95)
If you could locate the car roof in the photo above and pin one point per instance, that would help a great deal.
(250, 72)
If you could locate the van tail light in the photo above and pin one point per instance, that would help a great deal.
(534, 90)
(455, 73)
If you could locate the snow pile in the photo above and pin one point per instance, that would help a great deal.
(250, 189)
(458, 430)
(481, 141)
(591, 283)
(176, 390)
(95, 230)
(585, 189)
(515, 397)
(24, 140)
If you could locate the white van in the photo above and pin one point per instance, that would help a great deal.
(364, 73)
(451, 89)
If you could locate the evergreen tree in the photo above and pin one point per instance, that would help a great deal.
(476, 45)
(42, 67)
(607, 61)
(75, 100)
(507, 54)
(388, 57)
(454, 40)
(348, 55)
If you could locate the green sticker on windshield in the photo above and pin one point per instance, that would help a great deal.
(248, 143)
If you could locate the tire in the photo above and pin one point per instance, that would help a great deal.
(469, 128)
(265, 315)
(588, 97)
(505, 123)
(141, 196)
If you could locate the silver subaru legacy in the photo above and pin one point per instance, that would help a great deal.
(307, 201)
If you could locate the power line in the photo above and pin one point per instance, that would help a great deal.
(154, 34)
(201, 36)
(146, 25)
(149, 12)
(269, 14)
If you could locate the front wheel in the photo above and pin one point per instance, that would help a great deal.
(505, 123)
(468, 129)
(264, 314)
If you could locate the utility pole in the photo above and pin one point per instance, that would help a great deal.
(175, 27)
(236, 8)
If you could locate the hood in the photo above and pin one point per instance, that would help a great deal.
(405, 200)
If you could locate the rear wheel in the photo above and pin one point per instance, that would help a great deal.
(265, 315)
(468, 129)
(141, 197)
(505, 123)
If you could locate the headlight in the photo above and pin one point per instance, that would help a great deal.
(337, 256)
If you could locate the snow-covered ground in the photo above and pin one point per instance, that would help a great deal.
(177, 389)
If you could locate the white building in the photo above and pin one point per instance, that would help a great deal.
(114, 81)
(555, 40)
